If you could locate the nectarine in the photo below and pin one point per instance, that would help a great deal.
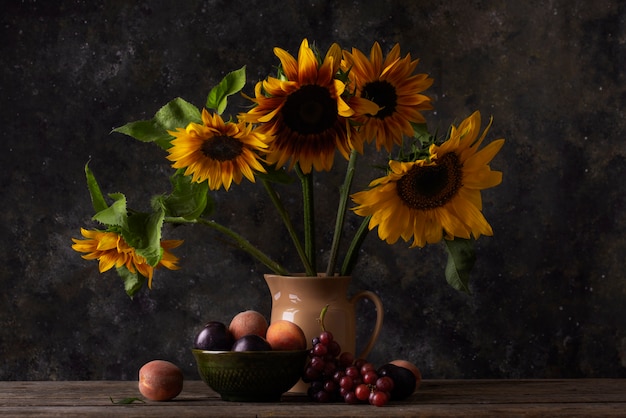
(160, 380)
(285, 335)
(246, 323)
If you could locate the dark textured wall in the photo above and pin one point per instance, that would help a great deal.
(548, 288)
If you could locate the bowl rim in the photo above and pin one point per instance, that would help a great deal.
(263, 352)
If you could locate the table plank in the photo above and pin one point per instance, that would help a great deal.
(443, 398)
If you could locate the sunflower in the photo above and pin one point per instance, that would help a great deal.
(304, 110)
(428, 198)
(217, 151)
(390, 84)
(111, 250)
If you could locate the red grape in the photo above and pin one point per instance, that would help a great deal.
(346, 359)
(334, 348)
(326, 337)
(322, 396)
(346, 382)
(338, 375)
(358, 363)
(320, 350)
(352, 371)
(334, 375)
(330, 386)
(384, 384)
(350, 398)
(366, 367)
(310, 374)
(329, 368)
(318, 363)
(362, 392)
(379, 398)
(369, 377)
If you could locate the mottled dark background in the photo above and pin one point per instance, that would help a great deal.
(548, 288)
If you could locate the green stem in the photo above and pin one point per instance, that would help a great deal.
(320, 320)
(241, 242)
(309, 217)
(344, 192)
(287, 221)
(353, 251)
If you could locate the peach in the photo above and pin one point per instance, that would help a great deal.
(160, 380)
(286, 335)
(412, 367)
(246, 323)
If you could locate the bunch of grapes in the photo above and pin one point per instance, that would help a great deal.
(334, 375)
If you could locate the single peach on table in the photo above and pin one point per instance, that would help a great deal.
(285, 335)
(160, 380)
(246, 323)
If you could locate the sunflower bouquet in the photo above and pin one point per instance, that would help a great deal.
(316, 108)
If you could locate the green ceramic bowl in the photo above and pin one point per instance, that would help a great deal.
(250, 376)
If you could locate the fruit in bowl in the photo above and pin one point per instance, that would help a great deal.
(285, 335)
(214, 336)
(241, 364)
(251, 342)
(248, 322)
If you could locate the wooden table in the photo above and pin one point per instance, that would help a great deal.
(435, 398)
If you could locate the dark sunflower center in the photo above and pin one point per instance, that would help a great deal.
(222, 148)
(310, 110)
(383, 94)
(430, 187)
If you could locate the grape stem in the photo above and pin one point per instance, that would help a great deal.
(321, 318)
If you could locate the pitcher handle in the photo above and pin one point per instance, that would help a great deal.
(366, 294)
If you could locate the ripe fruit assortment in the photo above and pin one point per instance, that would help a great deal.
(335, 375)
(249, 331)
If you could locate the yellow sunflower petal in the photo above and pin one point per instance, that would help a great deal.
(288, 62)
(452, 209)
(216, 152)
(305, 115)
(390, 83)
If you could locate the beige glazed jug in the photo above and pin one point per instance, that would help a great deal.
(300, 299)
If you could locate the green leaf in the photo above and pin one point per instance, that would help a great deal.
(461, 259)
(421, 133)
(114, 215)
(176, 114)
(144, 234)
(146, 131)
(97, 199)
(188, 199)
(133, 282)
(231, 84)
(126, 401)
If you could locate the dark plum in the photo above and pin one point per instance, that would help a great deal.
(251, 342)
(215, 336)
(404, 381)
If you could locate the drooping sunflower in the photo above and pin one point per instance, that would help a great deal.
(217, 151)
(111, 250)
(304, 111)
(390, 84)
(431, 198)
